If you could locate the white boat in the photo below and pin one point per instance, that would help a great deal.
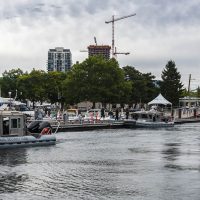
(152, 119)
(72, 115)
(94, 115)
(15, 133)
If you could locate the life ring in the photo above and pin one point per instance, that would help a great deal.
(46, 131)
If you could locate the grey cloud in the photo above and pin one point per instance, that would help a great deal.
(164, 13)
(32, 10)
(55, 6)
(93, 7)
(149, 13)
(156, 34)
(40, 4)
(36, 9)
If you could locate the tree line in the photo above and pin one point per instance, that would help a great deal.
(95, 80)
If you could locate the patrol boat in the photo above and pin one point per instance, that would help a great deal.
(14, 131)
(152, 119)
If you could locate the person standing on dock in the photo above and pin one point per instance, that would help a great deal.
(116, 114)
(127, 113)
(110, 114)
(102, 112)
(65, 117)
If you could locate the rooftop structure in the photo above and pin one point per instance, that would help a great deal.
(95, 50)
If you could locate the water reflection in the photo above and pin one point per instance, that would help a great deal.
(13, 157)
(10, 180)
(171, 151)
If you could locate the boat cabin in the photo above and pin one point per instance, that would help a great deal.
(148, 116)
(12, 123)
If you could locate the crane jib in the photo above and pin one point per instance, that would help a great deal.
(119, 18)
(114, 52)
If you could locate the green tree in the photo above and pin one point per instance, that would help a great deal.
(198, 91)
(96, 80)
(33, 86)
(9, 81)
(54, 87)
(171, 85)
(143, 88)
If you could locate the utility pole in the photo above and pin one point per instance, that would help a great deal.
(113, 31)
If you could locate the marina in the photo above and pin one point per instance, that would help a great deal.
(99, 100)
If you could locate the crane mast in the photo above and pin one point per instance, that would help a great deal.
(95, 40)
(113, 33)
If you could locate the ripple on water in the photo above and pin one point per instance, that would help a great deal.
(107, 164)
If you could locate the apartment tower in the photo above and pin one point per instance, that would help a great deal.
(59, 59)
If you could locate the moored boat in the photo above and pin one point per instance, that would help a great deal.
(152, 119)
(15, 133)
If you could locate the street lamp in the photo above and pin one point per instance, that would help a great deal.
(15, 94)
(20, 96)
(9, 93)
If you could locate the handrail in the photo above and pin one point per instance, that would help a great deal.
(57, 127)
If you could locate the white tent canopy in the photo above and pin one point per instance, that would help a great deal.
(159, 100)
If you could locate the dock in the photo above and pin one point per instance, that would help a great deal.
(187, 120)
(72, 127)
(88, 126)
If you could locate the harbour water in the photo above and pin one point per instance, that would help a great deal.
(107, 164)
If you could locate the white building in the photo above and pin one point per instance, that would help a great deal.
(59, 59)
(189, 101)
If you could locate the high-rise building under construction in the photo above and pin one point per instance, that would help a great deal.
(103, 50)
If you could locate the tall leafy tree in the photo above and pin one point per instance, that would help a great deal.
(33, 86)
(9, 81)
(53, 86)
(171, 85)
(143, 88)
(150, 89)
(96, 80)
(198, 91)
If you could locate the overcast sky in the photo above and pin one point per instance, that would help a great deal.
(162, 30)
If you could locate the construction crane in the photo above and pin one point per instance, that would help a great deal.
(95, 40)
(83, 50)
(125, 53)
(113, 35)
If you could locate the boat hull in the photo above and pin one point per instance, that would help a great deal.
(144, 124)
(26, 141)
